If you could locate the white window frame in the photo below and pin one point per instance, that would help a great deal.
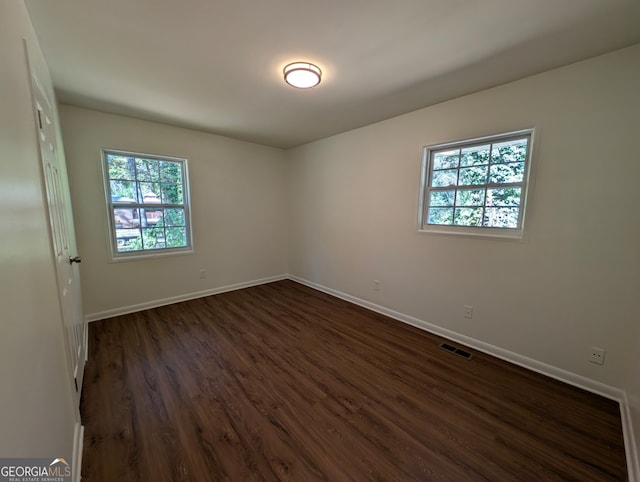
(426, 187)
(112, 230)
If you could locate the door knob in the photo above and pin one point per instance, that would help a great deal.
(75, 259)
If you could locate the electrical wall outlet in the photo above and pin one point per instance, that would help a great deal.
(203, 273)
(376, 285)
(596, 355)
(468, 311)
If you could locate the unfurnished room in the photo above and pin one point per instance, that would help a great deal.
(341, 241)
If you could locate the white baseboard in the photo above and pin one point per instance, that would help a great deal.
(101, 315)
(565, 376)
(78, 444)
(631, 449)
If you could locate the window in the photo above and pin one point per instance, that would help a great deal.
(477, 186)
(148, 204)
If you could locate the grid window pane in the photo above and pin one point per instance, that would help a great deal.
(509, 151)
(468, 217)
(470, 197)
(445, 178)
(148, 203)
(153, 238)
(442, 198)
(501, 217)
(504, 197)
(147, 170)
(147, 191)
(174, 217)
(477, 183)
(446, 159)
(171, 193)
(123, 192)
(170, 172)
(506, 173)
(128, 240)
(121, 167)
(126, 217)
(176, 237)
(473, 175)
(441, 216)
(473, 156)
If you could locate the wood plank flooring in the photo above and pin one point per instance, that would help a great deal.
(280, 382)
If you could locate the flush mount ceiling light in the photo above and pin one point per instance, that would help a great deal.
(302, 75)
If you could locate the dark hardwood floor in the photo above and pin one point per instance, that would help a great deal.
(282, 382)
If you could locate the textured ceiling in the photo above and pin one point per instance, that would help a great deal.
(217, 65)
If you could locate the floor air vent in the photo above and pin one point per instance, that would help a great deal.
(456, 351)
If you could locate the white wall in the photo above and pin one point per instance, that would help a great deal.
(571, 285)
(36, 409)
(238, 200)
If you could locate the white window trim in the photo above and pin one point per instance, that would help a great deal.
(477, 231)
(114, 255)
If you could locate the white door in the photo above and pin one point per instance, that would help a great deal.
(62, 233)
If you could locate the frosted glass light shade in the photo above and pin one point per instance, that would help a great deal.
(302, 75)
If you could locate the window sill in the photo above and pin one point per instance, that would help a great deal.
(510, 234)
(150, 255)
